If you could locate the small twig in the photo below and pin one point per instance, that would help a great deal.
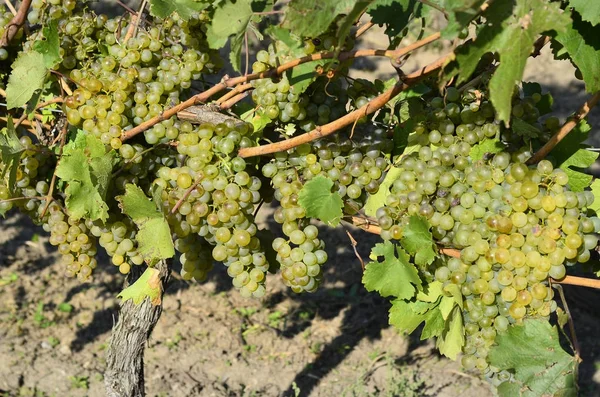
(232, 101)
(187, 194)
(247, 52)
(576, 347)
(10, 7)
(126, 7)
(22, 198)
(564, 130)
(539, 44)
(2, 92)
(63, 134)
(15, 24)
(27, 123)
(346, 120)
(134, 22)
(230, 82)
(363, 29)
(239, 89)
(354, 244)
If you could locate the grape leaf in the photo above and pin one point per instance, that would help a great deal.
(595, 186)
(581, 42)
(377, 200)
(571, 156)
(230, 19)
(49, 48)
(86, 168)
(417, 240)
(394, 276)
(511, 30)
(319, 202)
(303, 75)
(404, 318)
(309, 18)
(258, 120)
(533, 351)
(184, 8)
(285, 36)
(154, 236)
(488, 145)
(395, 14)
(589, 10)
(27, 75)
(11, 150)
(460, 14)
(452, 340)
(148, 285)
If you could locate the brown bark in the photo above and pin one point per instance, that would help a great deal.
(124, 376)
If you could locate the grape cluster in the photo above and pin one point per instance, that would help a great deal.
(356, 168)
(215, 197)
(137, 79)
(514, 225)
(74, 240)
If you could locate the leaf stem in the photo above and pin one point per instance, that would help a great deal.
(348, 119)
(230, 82)
(575, 346)
(49, 197)
(565, 129)
(15, 24)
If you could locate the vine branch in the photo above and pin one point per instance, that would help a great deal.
(565, 129)
(230, 82)
(348, 119)
(15, 24)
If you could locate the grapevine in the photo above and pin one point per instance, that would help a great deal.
(115, 137)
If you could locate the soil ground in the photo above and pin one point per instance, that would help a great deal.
(211, 342)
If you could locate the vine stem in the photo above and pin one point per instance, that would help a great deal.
(135, 22)
(15, 24)
(564, 130)
(348, 119)
(372, 227)
(363, 29)
(230, 82)
(237, 90)
(228, 104)
(10, 7)
(49, 197)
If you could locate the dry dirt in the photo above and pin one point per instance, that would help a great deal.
(211, 342)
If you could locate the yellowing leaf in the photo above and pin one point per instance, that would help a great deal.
(452, 340)
(148, 285)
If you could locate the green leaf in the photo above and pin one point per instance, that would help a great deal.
(154, 236)
(589, 10)
(86, 168)
(511, 30)
(394, 276)
(395, 14)
(571, 156)
(403, 317)
(417, 240)
(259, 120)
(293, 42)
(309, 18)
(148, 285)
(595, 186)
(488, 145)
(49, 48)
(27, 75)
(303, 75)
(582, 43)
(532, 351)
(460, 14)
(319, 202)
(11, 150)
(184, 8)
(230, 19)
(452, 340)
(434, 324)
(377, 200)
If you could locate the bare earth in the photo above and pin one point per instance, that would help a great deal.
(211, 342)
